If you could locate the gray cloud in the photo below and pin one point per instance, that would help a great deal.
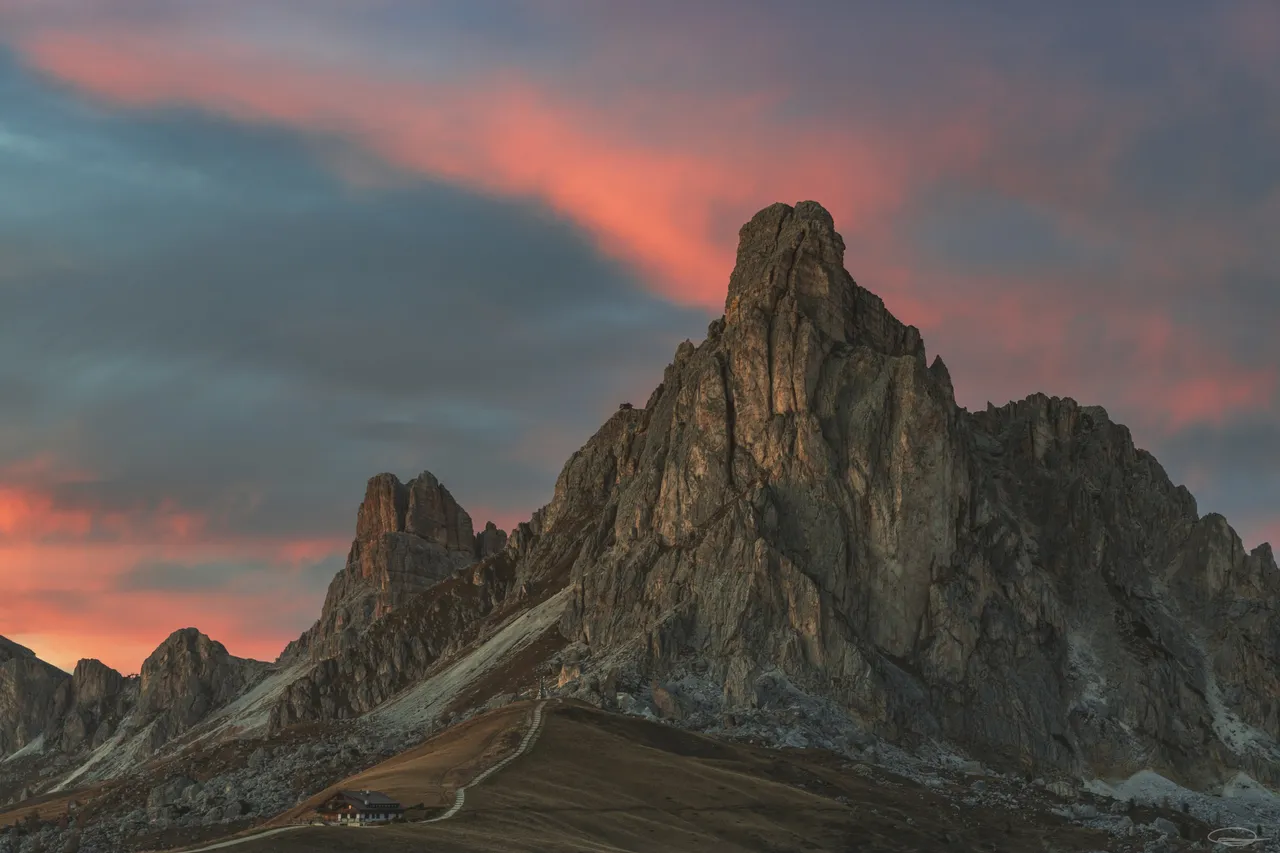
(249, 337)
(223, 576)
(1241, 457)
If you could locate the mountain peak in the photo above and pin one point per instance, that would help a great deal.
(786, 250)
(791, 263)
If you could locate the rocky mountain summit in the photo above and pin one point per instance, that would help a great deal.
(802, 496)
(802, 499)
(41, 707)
(186, 678)
(49, 713)
(801, 502)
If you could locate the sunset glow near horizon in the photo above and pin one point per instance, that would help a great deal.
(253, 253)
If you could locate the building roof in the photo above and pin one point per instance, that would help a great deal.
(368, 798)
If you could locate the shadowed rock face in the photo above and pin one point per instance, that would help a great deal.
(409, 537)
(97, 700)
(29, 693)
(802, 498)
(185, 679)
(70, 712)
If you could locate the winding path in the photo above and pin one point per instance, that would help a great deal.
(459, 796)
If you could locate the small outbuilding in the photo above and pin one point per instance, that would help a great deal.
(360, 807)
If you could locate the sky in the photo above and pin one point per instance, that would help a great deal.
(254, 252)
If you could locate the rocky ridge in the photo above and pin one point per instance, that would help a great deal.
(97, 700)
(409, 537)
(66, 717)
(802, 498)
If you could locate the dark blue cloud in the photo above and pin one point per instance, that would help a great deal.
(985, 234)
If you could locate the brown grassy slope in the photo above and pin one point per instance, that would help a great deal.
(429, 773)
(602, 782)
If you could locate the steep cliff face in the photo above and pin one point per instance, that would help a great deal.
(29, 693)
(97, 699)
(409, 537)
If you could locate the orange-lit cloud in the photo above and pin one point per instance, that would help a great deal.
(30, 515)
(63, 600)
(61, 569)
(123, 629)
(1042, 337)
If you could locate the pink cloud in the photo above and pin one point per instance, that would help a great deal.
(1252, 37)
(1041, 335)
(649, 204)
(1256, 529)
(505, 519)
(31, 515)
(648, 179)
(61, 570)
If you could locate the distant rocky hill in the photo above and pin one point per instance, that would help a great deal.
(182, 681)
(801, 535)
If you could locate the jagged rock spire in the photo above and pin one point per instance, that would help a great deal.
(791, 260)
(409, 537)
